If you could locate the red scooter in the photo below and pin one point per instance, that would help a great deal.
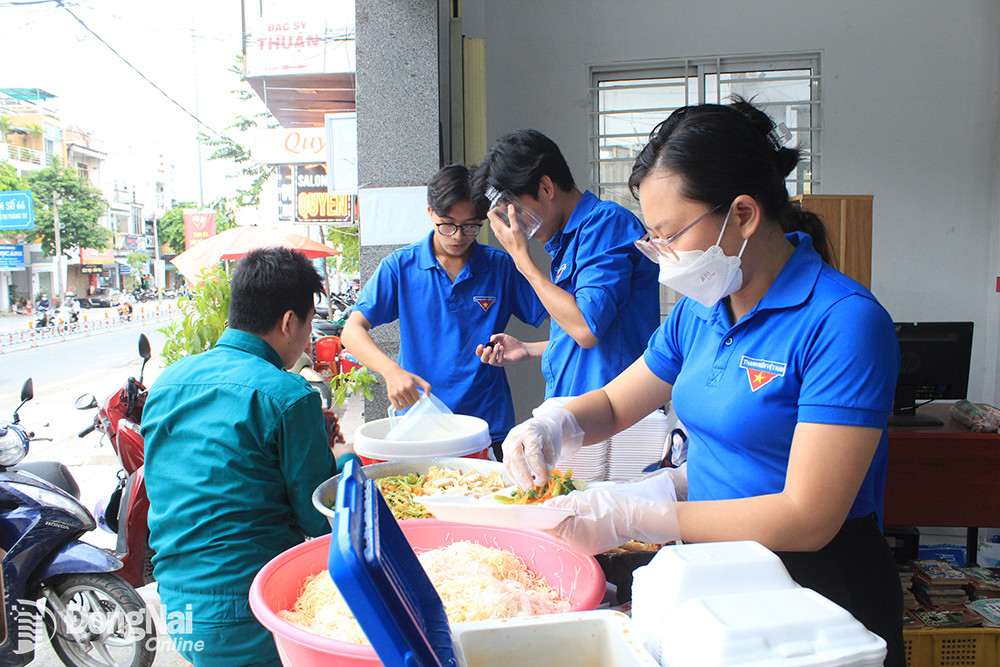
(124, 511)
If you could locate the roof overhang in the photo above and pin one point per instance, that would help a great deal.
(87, 152)
(302, 100)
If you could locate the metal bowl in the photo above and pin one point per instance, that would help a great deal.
(325, 496)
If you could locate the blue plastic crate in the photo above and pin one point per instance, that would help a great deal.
(382, 581)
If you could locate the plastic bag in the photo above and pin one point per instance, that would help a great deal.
(427, 419)
(973, 417)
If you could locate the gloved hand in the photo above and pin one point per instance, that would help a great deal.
(678, 475)
(609, 516)
(532, 447)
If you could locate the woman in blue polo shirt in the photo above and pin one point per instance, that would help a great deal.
(782, 369)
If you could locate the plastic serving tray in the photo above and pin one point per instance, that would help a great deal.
(382, 581)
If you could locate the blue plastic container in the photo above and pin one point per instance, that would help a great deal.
(382, 581)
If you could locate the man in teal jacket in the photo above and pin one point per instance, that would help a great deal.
(235, 447)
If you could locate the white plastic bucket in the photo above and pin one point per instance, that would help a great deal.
(469, 438)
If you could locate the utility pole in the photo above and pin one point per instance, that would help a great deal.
(197, 113)
(160, 282)
(58, 287)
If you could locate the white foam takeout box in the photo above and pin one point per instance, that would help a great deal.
(602, 638)
(733, 604)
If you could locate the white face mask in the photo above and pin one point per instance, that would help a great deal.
(704, 275)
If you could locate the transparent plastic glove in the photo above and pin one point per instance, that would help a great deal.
(678, 475)
(609, 516)
(532, 447)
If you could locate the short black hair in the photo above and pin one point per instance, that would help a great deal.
(449, 186)
(517, 161)
(266, 284)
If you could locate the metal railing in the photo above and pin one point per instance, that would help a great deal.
(87, 325)
(21, 154)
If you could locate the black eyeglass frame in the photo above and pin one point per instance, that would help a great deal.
(477, 225)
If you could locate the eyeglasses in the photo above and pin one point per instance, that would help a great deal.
(448, 229)
(654, 249)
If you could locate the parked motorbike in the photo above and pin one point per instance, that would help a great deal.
(123, 511)
(304, 367)
(91, 615)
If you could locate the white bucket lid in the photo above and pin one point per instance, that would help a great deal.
(470, 435)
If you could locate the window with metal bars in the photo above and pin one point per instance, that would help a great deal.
(629, 99)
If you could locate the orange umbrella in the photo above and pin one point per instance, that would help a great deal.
(236, 242)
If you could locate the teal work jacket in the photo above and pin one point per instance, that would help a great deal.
(235, 446)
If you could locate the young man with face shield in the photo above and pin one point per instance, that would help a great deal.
(782, 369)
(601, 294)
(450, 294)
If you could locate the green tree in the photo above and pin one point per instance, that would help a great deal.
(346, 238)
(170, 227)
(80, 208)
(9, 180)
(136, 261)
(206, 315)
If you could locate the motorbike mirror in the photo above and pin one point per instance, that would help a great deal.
(145, 353)
(85, 402)
(27, 393)
(144, 349)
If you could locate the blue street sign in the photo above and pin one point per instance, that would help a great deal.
(17, 210)
(11, 257)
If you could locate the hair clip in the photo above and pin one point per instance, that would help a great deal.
(779, 136)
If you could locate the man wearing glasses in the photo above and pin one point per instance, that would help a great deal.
(450, 295)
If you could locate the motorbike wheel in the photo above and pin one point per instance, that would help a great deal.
(117, 625)
(326, 396)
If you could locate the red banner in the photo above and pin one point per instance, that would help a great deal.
(198, 226)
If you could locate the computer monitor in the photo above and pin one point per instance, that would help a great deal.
(934, 363)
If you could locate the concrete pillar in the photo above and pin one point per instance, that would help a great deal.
(399, 118)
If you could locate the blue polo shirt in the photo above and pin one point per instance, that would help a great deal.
(817, 348)
(594, 258)
(441, 323)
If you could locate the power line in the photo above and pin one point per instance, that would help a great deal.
(133, 67)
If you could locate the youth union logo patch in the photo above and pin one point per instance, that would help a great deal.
(485, 301)
(761, 371)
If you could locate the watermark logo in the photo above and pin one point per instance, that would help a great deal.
(84, 622)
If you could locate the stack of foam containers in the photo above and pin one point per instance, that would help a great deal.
(589, 464)
(637, 447)
(733, 604)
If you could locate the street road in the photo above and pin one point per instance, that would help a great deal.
(56, 366)
(61, 371)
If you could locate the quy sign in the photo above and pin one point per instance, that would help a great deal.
(284, 146)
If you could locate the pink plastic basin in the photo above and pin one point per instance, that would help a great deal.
(278, 583)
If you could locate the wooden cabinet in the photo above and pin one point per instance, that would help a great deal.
(848, 219)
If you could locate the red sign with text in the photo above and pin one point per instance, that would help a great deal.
(198, 226)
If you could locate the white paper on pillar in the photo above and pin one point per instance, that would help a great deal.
(393, 216)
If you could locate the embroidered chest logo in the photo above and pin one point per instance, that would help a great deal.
(762, 371)
(485, 301)
(562, 270)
